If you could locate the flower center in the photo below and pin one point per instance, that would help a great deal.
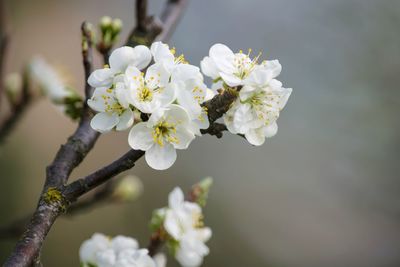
(145, 94)
(163, 132)
(114, 106)
(244, 64)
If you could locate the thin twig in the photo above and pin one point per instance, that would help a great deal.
(17, 109)
(3, 46)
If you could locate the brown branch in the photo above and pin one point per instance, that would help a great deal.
(149, 28)
(170, 17)
(69, 156)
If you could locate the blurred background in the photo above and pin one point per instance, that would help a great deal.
(325, 192)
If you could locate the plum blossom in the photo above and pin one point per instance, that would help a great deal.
(232, 68)
(166, 130)
(150, 91)
(183, 222)
(260, 101)
(120, 251)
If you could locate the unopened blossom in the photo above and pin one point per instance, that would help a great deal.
(49, 80)
(111, 112)
(183, 222)
(232, 68)
(119, 60)
(260, 101)
(166, 130)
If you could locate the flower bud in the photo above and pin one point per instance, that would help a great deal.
(128, 189)
(117, 26)
(105, 23)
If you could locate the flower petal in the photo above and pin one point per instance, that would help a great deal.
(161, 157)
(161, 52)
(255, 136)
(142, 56)
(104, 122)
(209, 68)
(223, 57)
(271, 130)
(125, 120)
(140, 137)
(101, 78)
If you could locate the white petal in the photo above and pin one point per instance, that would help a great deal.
(121, 242)
(156, 76)
(120, 58)
(186, 99)
(271, 130)
(125, 120)
(175, 198)
(105, 258)
(161, 157)
(184, 137)
(177, 114)
(223, 57)
(104, 122)
(101, 78)
(140, 137)
(231, 79)
(142, 56)
(255, 136)
(172, 225)
(209, 68)
(160, 259)
(274, 66)
(184, 72)
(96, 102)
(161, 52)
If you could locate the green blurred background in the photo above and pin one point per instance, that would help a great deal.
(325, 192)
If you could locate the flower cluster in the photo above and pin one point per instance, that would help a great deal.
(183, 224)
(120, 251)
(261, 96)
(162, 101)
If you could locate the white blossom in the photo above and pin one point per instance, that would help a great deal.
(166, 130)
(232, 68)
(260, 101)
(183, 222)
